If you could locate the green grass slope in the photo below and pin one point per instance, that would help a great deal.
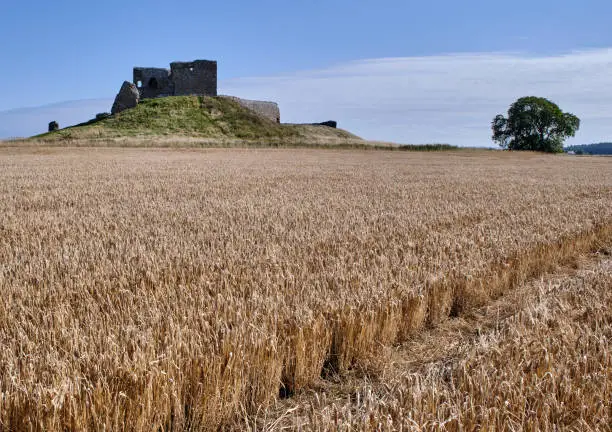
(213, 118)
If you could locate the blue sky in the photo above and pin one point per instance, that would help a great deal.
(407, 71)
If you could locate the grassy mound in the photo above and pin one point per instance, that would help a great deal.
(216, 118)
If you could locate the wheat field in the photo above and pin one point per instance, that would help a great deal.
(164, 289)
(537, 359)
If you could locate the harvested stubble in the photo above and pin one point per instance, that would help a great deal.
(147, 289)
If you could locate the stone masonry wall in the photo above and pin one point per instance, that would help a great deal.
(194, 78)
(269, 110)
(182, 79)
(153, 82)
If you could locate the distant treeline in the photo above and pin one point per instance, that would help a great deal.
(594, 149)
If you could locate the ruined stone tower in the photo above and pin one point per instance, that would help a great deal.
(198, 77)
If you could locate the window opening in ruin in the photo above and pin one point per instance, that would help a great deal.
(139, 84)
(153, 83)
(191, 69)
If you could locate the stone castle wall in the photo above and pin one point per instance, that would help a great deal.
(194, 78)
(153, 82)
(182, 79)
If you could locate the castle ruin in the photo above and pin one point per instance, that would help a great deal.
(196, 78)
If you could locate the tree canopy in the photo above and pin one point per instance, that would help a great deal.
(534, 123)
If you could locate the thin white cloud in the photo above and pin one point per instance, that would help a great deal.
(446, 98)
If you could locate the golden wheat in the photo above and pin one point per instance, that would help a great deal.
(166, 289)
(538, 360)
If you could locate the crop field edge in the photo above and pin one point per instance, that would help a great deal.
(449, 298)
(370, 398)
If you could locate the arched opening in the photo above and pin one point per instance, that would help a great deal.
(153, 83)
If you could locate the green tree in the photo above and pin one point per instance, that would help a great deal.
(534, 123)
